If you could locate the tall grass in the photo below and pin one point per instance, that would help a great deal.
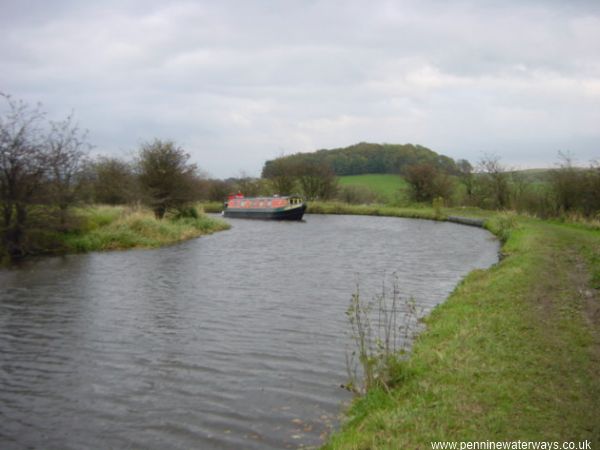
(502, 225)
(109, 228)
(91, 218)
(382, 331)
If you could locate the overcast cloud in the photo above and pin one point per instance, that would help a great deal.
(239, 82)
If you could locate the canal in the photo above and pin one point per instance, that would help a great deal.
(234, 340)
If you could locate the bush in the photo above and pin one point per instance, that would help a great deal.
(427, 182)
(165, 176)
(186, 212)
(502, 225)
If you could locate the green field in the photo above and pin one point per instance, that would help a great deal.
(390, 188)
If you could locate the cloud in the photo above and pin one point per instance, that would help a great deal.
(238, 82)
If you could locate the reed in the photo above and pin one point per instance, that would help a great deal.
(382, 331)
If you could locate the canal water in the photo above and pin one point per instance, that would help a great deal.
(235, 340)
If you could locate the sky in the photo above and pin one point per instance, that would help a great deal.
(238, 82)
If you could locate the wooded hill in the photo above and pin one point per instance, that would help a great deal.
(368, 158)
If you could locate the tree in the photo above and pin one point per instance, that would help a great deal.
(40, 162)
(365, 157)
(465, 174)
(427, 182)
(166, 178)
(251, 187)
(568, 184)
(493, 182)
(67, 149)
(218, 190)
(22, 167)
(281, 172)
(317, 181)
(592, 191)
(113, 181)
(576, 189)
(520, 192)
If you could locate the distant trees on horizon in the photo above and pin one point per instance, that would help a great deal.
(45, 169)
(489, 184)
(366, 157)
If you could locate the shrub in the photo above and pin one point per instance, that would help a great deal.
(502, 225)
(186, 212)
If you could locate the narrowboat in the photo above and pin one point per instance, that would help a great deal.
(290, 207)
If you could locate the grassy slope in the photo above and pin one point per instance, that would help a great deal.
(513, 354)
(416, 212)
(387, 186)
(109, 228)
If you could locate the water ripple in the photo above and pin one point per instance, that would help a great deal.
(235, 340)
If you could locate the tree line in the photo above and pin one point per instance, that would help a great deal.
(366, 157)
(564, 190)
(488, 184)
(46, 168)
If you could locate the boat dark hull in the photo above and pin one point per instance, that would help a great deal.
(266, 214)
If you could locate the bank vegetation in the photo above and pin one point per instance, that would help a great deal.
(49, 182)
(513, 354)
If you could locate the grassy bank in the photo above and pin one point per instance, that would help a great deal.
(514, 353)
(373, 210)
(115, 227)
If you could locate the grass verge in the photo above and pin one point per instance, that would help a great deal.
(416, 212)
(111, 228)
(513, 354)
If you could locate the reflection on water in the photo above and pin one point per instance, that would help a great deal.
(234, 340)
